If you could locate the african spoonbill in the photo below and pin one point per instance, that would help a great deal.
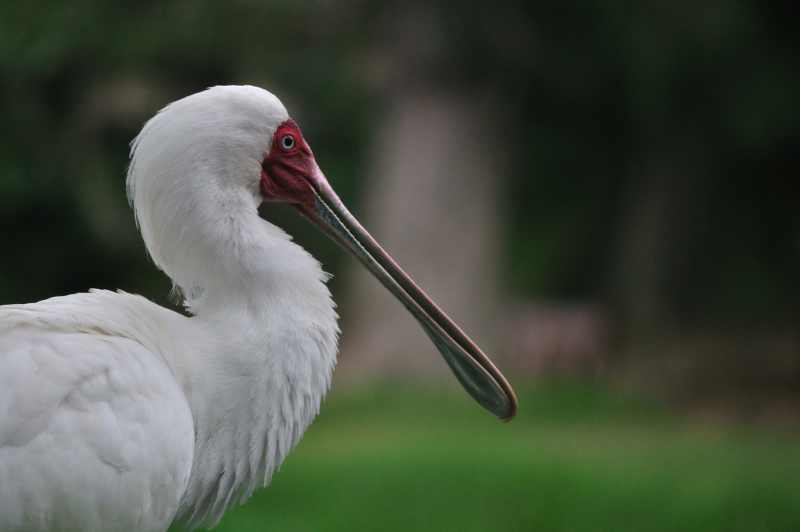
(119, 414)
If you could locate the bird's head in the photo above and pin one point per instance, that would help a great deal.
(228, 149)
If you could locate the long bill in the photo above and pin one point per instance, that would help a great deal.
(473, 369)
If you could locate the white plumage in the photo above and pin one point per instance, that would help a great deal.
(118, 414)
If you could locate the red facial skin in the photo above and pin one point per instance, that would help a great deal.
(287, 173)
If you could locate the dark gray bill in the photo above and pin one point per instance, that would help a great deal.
(473, 369)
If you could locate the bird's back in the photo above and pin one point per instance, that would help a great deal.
(95, 432)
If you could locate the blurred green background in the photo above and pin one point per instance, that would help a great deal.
(611, 209)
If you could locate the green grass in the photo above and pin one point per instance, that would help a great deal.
(576, 459)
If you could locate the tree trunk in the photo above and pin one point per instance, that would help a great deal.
(432, 200)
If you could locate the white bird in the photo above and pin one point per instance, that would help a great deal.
(119, 414)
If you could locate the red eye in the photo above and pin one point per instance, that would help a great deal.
(287, 142)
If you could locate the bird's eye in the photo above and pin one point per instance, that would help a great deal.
(287, 142)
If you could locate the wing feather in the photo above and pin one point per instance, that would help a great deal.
(95, 433)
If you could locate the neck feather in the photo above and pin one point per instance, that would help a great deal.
(264, 362)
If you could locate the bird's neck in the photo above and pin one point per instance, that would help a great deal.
(266, 343)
